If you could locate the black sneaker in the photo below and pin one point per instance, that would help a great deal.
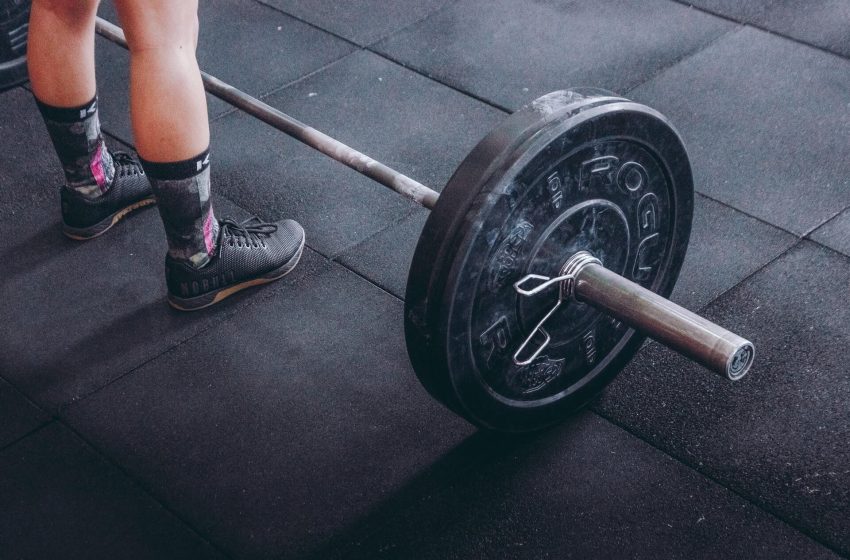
(248, 254)
(84, 218)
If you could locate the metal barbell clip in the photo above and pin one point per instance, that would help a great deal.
(566, 279)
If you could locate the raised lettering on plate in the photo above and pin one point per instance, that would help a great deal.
(495, 339)
(597, 173)
(556, 191)
(589, 343)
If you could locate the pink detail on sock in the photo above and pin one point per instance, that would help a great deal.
(97, 168)
(208, 232)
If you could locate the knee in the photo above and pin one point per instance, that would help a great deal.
(160, 26)
(70, 12)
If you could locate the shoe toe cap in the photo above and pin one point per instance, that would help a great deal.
(290, 235)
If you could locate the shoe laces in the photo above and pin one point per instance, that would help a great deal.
(126, 164)
(250, 233)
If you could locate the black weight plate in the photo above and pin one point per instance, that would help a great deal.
(14, 18)
(572, 171)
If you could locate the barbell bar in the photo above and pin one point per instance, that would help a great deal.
(556, 239)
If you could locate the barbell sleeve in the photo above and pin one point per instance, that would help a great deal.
(709, 344)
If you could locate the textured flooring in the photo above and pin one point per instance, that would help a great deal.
(288, 422)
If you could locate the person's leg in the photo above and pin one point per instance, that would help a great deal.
(99, 189)
(60, 56)
(207, 260)
(167, 101)
(60, 51)
(170, 127)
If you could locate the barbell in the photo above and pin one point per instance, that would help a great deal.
(546, 260)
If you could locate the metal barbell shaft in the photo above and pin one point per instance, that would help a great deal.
(698, 338)
(317, 140)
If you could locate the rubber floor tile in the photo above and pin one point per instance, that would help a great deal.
(779, 436)
(61, 500)
(30, 173)
(586, 489)
(726, 246)
(765, 119)
(276, 429)
(361, 21)
(822, 23)
(385, 257)
(511, 53)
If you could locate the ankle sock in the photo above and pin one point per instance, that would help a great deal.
(76, 135)
(182, 190)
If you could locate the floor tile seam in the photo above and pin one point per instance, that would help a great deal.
(808, 234)
(827, 248)
(799, 241)
(308, 23)
(63, 408)
(760, 505)
(749, 215)
(433, 13)
(332, 260)
(760, 27)
(435, 79)
(368, 280)
(682, 59)
(22, 395)
(702, 310)
(278, 89)
(106, 130)
(352, 247)
(28, 433)
(138, 484)
(365, 45)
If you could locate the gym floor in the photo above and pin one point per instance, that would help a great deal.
(288, 423)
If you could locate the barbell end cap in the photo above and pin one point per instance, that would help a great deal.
(741, 361)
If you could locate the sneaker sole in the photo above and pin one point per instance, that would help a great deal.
(211, 298)
(84, 234)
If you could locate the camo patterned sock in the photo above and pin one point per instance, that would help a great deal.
(76, 135)
(182, 190)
